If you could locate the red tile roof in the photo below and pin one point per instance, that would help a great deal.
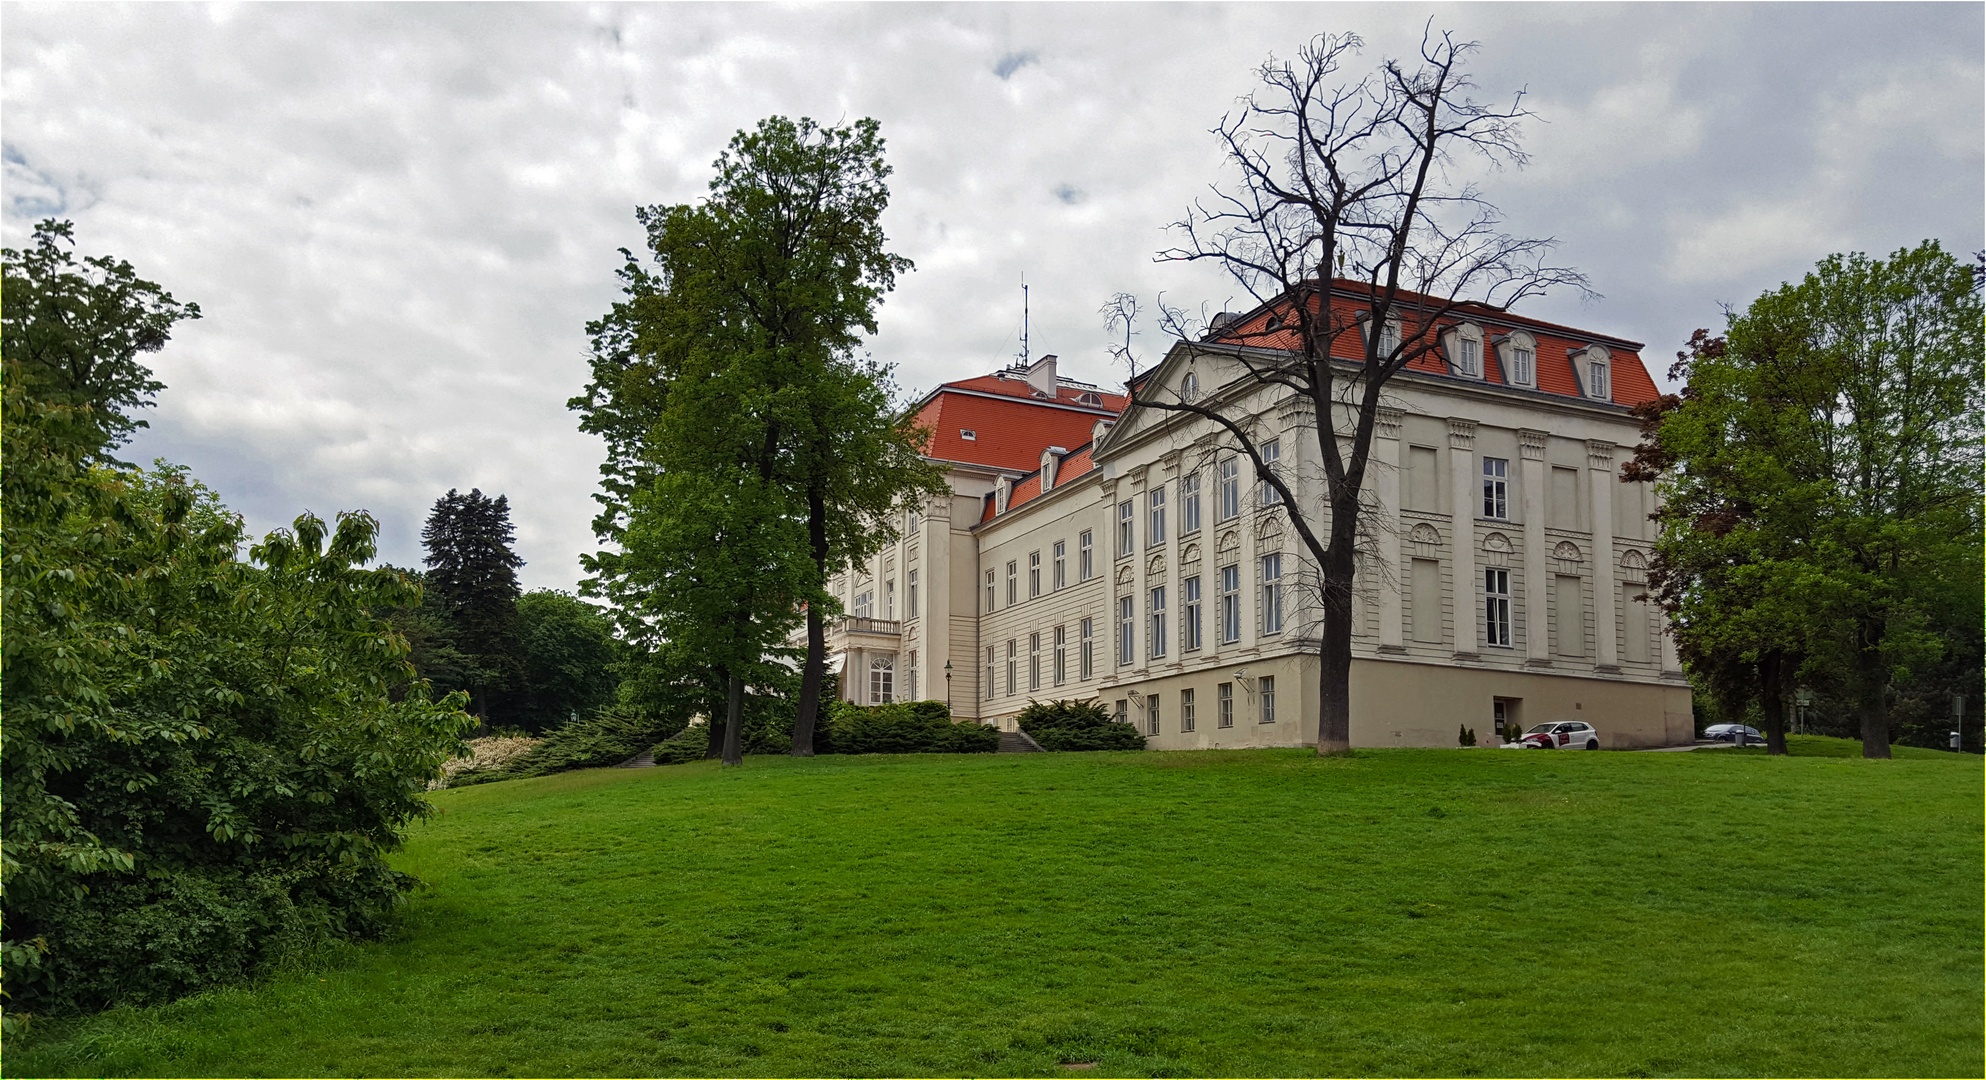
(1631, 382)
(1028, 488)
(1011, 426)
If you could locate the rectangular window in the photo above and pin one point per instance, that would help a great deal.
(889, 599)
(1034, 661)
(1426, 587)
(1151, 714)
(1189, 504)
(1272, 594)
(1124, 531)
(1186, 710)
(1272, 451)
(1013, 583)
(1189, 628)
(1469, 360)
(989, 590)
(1389, 339)
(1230, 489)
(1496, 484)
(863, 607)
(1013, 664)
(1123, 712)
(1061, 564)
(1156, 634)
(1124, 631)
(1224, 705)
(1033, 574)
(1085, 561)
(1086, 657)
(910, 678)
(1230, 604)
(910, 521)
(1521, 367)
(1061, 655)
(1602, 387)
(1496, 602)
(910, 595)
(1155, 523)
(990, 684)
(882, 678)
(1266, 689)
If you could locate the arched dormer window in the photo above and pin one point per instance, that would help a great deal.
(1594, 366)
(1089, 398)
(1517, 351)
(1465, 351)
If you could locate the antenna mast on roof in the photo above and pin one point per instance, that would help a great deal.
(1024, 320)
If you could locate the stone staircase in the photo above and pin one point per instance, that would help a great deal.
(1017, 742)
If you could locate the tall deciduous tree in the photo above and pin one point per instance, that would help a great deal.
(1350, 177)
(1822, 477)
(472, 578)
(784, 264)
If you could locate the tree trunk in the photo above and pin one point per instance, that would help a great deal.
(1872, 690)
(1772, 668)
(734, 724)
(714, 748)
(1334, 654)
(812, 672)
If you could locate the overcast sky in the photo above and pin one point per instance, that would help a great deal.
(398, 219)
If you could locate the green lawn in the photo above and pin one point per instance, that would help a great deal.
(1228, 913)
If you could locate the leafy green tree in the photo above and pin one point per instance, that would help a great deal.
(472, 579)
(202, 766)
(1822, 484)
(569, 655)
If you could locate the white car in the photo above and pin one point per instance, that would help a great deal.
(1565, 734)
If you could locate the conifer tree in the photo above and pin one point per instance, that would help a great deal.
(472, 576)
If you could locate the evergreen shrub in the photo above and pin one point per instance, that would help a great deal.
(1077, 725)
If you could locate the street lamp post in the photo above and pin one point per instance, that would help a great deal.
(948, 686)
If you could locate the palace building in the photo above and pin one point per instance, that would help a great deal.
(1094, 547)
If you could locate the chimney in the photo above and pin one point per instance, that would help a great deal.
(1041, 376)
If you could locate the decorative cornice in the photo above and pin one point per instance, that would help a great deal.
(1461, 433)
(1386, 423)
(1600, 455)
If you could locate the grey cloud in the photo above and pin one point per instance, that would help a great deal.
(397, 219)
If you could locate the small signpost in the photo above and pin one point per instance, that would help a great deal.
(1958, 722)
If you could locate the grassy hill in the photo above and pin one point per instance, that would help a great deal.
(1227, 913)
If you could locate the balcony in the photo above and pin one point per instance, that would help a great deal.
(886, 627)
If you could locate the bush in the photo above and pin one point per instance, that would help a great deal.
(909, 727)
(609, 736)
(1077, 725)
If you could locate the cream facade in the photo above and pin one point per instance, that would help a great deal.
(1499, 580)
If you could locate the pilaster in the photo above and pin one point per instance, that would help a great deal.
(1385, 564)
(1537, 606)
(1465, 491)
(1606, 595)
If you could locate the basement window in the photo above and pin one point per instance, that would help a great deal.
(968, 434)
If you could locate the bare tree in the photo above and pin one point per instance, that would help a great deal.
(1348, 180)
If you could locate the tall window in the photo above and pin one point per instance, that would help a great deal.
(1189, 627)
(882, 680)
(1034, 661)
(989, 590)
(1265, 688)
(910, 595)
(1033, 574)
(1085, 560)
(1152, 714)
(1156, 634)
(1124, 537)
(1061, 655)
(1013, 663)
(889, 599)
(1230, 603)
(1013, 583)
(910, 677)
(1469, 358)
(1189, 504)
(1272, 451)
(1496, 601)
(910, 521)
(1523, 364)
(1155, 526)
(1230, 488)
(1389, 339)
(1123, 711)
(863, 607)
(1602, 386)
(1272, 593)
(1186, 710)
(1223, 704)
(1496, 487)
(1086, 650)
(990, 684)
(1061, 564)
(1124, 630)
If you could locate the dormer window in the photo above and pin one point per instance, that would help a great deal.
(1519, 353)
(1593, 365)
(1465, 351)
(968, 434)
(1389, 339)
(1089, 398)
